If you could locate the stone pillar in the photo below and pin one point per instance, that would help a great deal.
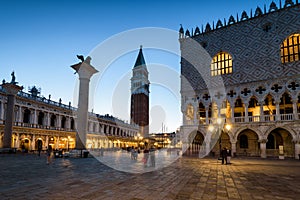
(35, 118)
(295, 110)
(47, 142)
(233, 148)
(261, 111)
(2, 110)
(246, 112)
(20, 114)
(206, 115)
(232, 114)
(263, 150)
(277, 111)
(297, 149)
(196, 121)
(33, 143)
(85, 71)
(11, 90)
(48, 120)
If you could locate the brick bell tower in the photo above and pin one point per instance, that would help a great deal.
(139, 113)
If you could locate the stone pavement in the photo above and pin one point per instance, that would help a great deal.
(28, 177)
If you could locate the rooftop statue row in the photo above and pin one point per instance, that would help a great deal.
(258, 12)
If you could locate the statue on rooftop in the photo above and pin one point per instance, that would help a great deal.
(13, 78)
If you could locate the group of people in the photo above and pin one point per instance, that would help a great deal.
(226, 156)
(149, 156)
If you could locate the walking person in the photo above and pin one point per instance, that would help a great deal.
(224, 156)
(228, 156)
(49, 154)
(146, 157)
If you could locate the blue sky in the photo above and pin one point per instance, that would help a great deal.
(40, 39)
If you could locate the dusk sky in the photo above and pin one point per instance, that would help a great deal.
(40, 40)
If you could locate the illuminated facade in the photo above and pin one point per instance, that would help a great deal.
(257, 57)
(41, 120)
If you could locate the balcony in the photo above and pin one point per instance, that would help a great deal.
(254, 119)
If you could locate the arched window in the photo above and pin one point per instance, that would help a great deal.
(221, 64)
(63, 122)
(53, 120)
(289, 49)
(26, 116)
(41, 118)
(244, 141)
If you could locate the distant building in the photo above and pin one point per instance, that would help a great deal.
(257, 56)
(42, 120)
(139, 112)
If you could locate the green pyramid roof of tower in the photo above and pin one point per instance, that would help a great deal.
(140, 59)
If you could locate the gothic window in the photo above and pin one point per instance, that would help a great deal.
(221, 64)
(244, 141)
(289, 49)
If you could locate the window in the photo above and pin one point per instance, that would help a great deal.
(289, 49)
(221, 64)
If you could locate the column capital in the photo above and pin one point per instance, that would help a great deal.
(11, 89)
(264, 140)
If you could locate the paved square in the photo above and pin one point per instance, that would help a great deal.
(28, 177)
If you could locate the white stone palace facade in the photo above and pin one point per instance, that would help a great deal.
(256, 55)
(38, 119)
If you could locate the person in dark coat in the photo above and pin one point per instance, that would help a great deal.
(224, 155)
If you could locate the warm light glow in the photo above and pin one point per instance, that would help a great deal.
(228, 127)
(219, 121)
(211, 128)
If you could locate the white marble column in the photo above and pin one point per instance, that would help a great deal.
(261, 111)
(196, 121)
(295, 110)
(263, 149)
(206, 115)
(277, 111)
(85, 71)
(246, 112)
(35, 117)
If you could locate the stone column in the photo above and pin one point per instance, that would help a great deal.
(261, 111)
(196, 121)
(206, 115)
(233, 148)
(47, 142)
(246, 112)
(48, 120)
(33, 143)
(277, 111)
(295, 110)
(2, 110)
(11, 90)
(35, 118)
(20, 114)
(297, 149)
(263, 151)
(85, 71)
(232, 114)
